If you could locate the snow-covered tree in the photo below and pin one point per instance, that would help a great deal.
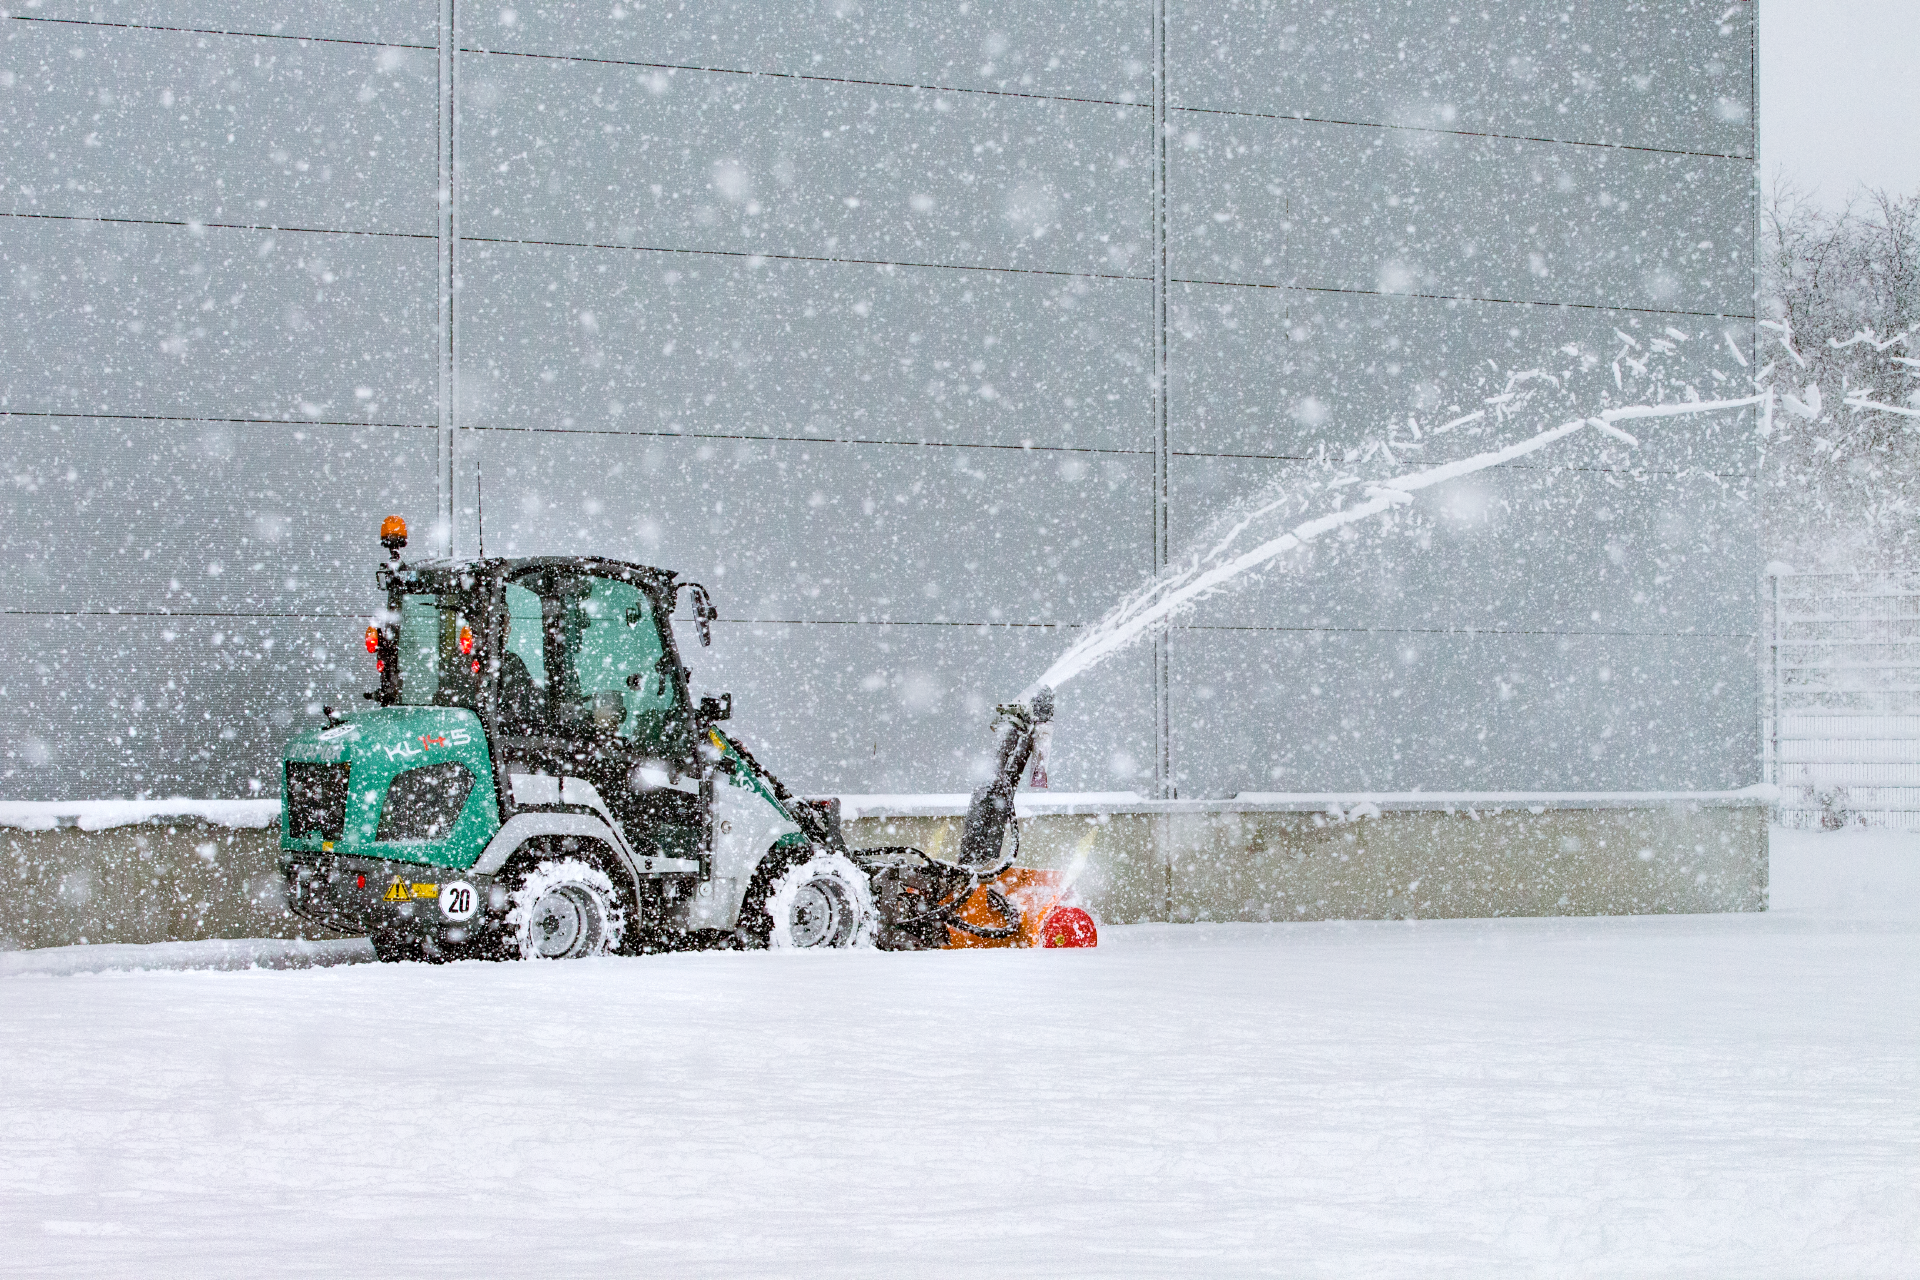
(1841, 292)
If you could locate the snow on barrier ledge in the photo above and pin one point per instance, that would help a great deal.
(102, 815)
(175, 869)
(1344, 804)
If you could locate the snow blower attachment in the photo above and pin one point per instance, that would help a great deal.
(981, 899)
(536, 779)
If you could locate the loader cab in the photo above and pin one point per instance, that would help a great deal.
(572, 666)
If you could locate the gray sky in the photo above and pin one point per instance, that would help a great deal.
(1840, 94)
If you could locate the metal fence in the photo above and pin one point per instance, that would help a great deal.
(1843, 719)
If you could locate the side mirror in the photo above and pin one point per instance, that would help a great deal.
(703, 612)
(713, 710)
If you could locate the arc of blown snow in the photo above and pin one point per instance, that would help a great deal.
(1101, 643)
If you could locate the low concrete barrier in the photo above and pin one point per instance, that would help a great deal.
(161, 877)
(155, 881)
(1381, 857)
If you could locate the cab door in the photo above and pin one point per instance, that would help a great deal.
(625, 678)
(591, 690)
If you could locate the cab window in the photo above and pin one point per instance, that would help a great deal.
(523, 634)
(618, 658)
(523, 664)
(584, 655)
(435, 652)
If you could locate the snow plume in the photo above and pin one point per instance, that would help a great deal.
(1579, 391)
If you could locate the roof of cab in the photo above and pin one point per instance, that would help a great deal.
(513, 567)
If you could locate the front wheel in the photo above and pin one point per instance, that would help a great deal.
(565, 909)
(822, 902)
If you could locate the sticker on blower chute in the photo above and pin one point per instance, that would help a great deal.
(458, 900)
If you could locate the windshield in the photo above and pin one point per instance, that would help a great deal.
(580, 654)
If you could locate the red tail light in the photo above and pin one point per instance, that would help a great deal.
(373, 639)
(466, 640)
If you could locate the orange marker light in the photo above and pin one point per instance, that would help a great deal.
(373, 639)
(393, 533)
(466, 640)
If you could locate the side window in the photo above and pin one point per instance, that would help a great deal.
(523, 634)
(419, 649)
(436, 666)
(524, 702)
(619, 654)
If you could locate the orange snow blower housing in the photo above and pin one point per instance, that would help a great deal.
(981, 899)
(1047, 917)
(926, 904)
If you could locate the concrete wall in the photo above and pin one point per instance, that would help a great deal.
(1189, 862)
(153, 882)
(906, 326)
(1173, 862)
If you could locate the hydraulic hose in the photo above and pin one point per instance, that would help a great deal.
(1006, 911)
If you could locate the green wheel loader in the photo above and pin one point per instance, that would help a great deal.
(534, 780)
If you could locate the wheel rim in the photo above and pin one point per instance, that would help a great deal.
(821, 915)
(559, 922)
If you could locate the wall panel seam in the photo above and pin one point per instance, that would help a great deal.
(1467, 133)
(803, 78)
(203, 417)
(176, 613)
(1548, 468)
(766, 256)
(448, 356)
(1163, 769)
(846, 440)
(216, 31)
(1463, 297)
(191, 224)
(962, 624)
(1467, 631)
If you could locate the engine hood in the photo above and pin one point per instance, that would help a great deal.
(375, 746)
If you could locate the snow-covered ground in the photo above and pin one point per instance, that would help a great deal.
(1699, 1095)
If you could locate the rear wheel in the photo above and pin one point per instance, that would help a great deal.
(824, 901)
(565, 909)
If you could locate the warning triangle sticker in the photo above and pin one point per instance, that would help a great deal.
(396, 892)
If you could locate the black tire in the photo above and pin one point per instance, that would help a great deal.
(822, 902)
(565, 909)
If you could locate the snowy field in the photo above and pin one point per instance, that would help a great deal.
(1681, 1095)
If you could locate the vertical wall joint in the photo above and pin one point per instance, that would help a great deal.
(446, 514)
(1163, 779)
